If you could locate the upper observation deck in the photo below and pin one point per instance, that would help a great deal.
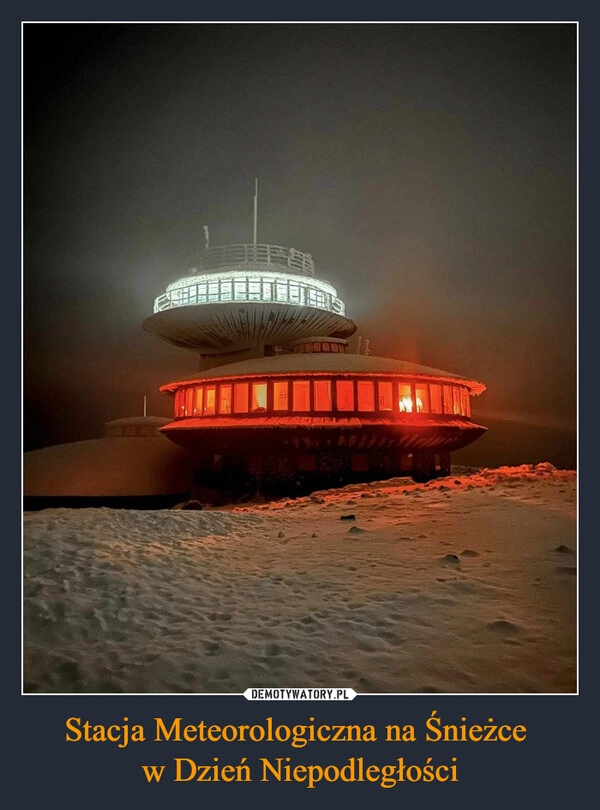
(234, 297)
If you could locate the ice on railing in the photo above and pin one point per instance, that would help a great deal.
(274, 288)
(231, 255)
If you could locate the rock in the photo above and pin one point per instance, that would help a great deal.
(192, 504)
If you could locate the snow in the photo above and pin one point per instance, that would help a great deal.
(466, 584)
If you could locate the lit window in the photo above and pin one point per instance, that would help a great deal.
(301, 395)
(254, 290)
(465, 402)
(189, 396)
(267, 290)
(198, 399)
(366, 395)
(240, 397)
(259, 397)
(447, 389)
(225, 399)
(210, 400)
(456, 400)
(435, 393)
(179, 403)
(322, 392)
(344, 390)
(405, 402)
(282, 291)
(213, 291)
(422, 398)
(280, 396)
(316, 347)
(226, 291)
(239, 287)
(384, 393)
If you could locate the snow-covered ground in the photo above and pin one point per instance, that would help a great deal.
(466, 584)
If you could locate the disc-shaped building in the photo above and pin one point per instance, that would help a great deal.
(279, 401)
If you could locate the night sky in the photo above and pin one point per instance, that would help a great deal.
(430, 170)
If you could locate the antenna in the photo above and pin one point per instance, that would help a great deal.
(255, 207)
(205, 228)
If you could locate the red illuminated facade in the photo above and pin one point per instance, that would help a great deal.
(281, 406)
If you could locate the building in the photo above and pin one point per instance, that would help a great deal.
(278, 402)
(132, 466)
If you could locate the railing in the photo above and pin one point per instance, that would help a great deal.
(231, 255)
(249, 288)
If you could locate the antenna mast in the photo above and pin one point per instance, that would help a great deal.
(255, 207)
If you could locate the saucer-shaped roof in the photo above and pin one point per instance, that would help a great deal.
(239, 325)
(322, 363)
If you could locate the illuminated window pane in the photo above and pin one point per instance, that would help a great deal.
(366, 395)
(213, 291)
(280, 396)
(210, 397)
(435, 392)
(301, 395)
(322, 393)
(179, 403)
(316, 347)
(422, 398)
(335, 347)
(385, 397)
(240, 397)
(405, 402)
(465, 402)
(254, 290)
(259, 397)
(225, 399)
(226, 291)
(198, 392)
(344, 390)
(325, 347)
(456, 400)
(281, 291)
(239, 286)
(267, 290)
(189, 397)
(447, 392)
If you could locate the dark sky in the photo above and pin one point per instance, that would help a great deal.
(430, 170)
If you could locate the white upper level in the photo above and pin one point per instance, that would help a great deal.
(252, 273)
